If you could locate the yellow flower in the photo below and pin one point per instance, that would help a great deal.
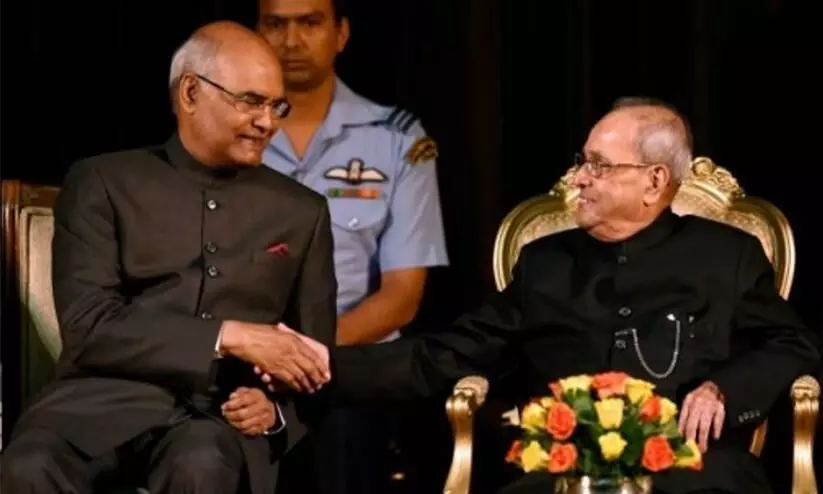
(612, 445)
(547, 402)
(534, 417)
(695, 459)
(581, 382)
(667, 410)
(638, 391)
(609, 412)
(534, 457)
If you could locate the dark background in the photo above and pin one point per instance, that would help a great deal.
(508, 90)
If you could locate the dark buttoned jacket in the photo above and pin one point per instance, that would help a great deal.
(151, 252)
(684, 301)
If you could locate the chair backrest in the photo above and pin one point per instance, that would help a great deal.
(31, 336)
(709, 191)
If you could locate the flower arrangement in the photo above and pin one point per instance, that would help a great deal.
(607, 425)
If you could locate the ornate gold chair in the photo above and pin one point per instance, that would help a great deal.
(710, 191)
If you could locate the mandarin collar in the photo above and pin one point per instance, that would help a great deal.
(656, 232)
(182, 160)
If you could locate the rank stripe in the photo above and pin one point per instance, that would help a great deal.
(401, 119)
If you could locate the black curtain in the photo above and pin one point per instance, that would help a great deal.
(508, 90)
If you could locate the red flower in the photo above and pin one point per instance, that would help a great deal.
(657, 454)
(610, 384)
(513, 456)
(561, 421)
(650, 410)
(562, 457)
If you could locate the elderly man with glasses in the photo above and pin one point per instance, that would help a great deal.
(172, 268)
(684, 302)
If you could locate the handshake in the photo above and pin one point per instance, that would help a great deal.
(281, 356)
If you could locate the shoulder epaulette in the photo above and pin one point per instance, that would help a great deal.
(401, 120)
(422, 149)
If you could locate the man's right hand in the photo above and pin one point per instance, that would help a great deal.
(282, 354)
(318, 348)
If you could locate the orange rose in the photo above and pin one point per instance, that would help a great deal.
(657, 454)
(562, 458)
(610, 384)
(561, 421)
(650, 411)
(513, 456)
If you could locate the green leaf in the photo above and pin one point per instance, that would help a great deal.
(670, 429)
(683, 450)
(582, 402)
(651, 429)
(632, 452)
(595, 431)
(587, 463)
(587, 418)
(632, 431)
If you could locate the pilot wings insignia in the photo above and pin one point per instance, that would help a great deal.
(355, 172)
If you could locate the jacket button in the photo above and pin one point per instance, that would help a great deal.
(210, 247)
(206, 315)
(624, 311)
(622, 259)
(211, 204)
(212, 271)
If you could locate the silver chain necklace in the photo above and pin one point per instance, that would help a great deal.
(675, 353)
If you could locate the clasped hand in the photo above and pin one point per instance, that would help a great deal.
(319, 348)
(702, 413)
(279, 354)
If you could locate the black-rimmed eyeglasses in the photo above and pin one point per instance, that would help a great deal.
(252, 103)
(597, 168)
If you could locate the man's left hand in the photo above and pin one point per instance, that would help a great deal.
(702, 411)
(249, 411)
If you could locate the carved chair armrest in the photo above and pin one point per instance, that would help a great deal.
(805, 398)
(468, 395)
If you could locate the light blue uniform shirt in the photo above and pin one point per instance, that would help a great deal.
(385, 210)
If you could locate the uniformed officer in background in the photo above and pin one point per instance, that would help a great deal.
(375, 165)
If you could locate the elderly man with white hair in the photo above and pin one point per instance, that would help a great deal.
(686, 303)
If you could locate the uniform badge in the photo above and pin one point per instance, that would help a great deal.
(354, 192)
(423, 149)
(355, 173)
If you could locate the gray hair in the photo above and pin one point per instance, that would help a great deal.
(664, 136)
(196, 55)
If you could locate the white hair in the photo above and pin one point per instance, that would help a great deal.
(664, 135)
(196, 55)
(664, 142)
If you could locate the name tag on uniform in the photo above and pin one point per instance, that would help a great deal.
(354, 192)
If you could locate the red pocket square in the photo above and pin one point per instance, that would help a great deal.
(278, 249)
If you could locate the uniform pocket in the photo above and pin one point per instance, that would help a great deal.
(354, 215)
